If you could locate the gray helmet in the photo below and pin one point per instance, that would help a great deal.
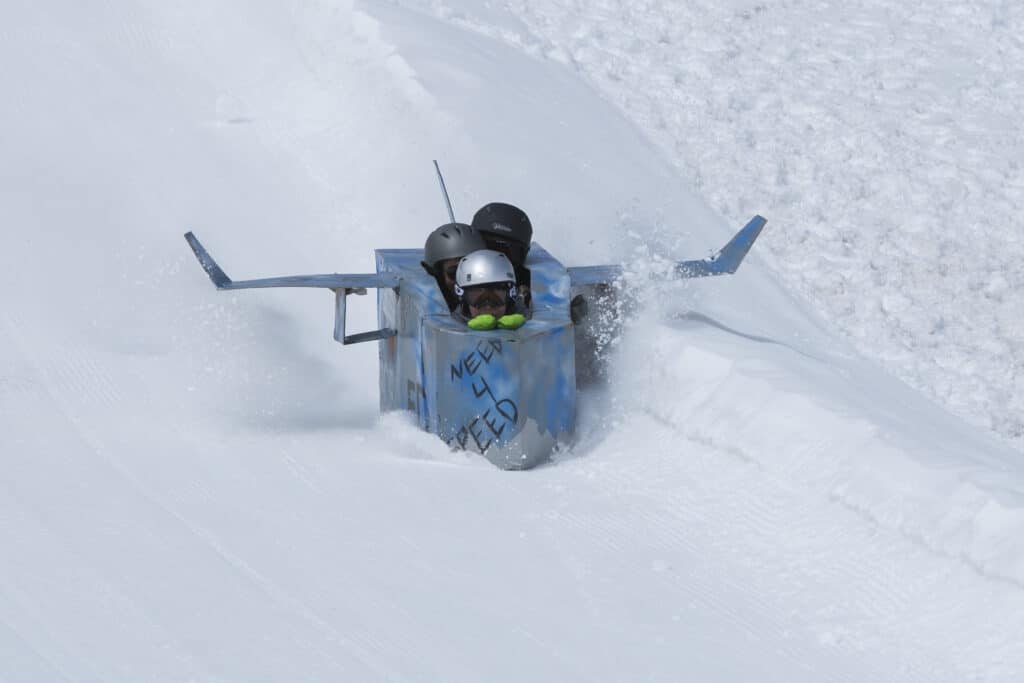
(484, 267)
(452, 240)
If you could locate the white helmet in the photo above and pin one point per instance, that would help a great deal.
(484, 267)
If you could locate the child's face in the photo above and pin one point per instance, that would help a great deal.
(487, 299)
(448, 268)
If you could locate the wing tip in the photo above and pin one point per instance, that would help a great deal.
(217, 275)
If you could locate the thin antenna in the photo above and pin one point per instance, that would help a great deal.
(444, 191)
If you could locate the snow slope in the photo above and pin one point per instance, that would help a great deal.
(883, 138)
(198, 487)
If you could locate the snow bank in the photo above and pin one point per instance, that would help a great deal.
(881, 141)
(906, 467)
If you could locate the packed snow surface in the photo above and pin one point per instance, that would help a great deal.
(197, 485)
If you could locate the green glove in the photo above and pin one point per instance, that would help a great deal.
(513, 321)
(483, 322)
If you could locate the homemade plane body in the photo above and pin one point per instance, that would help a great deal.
(509, 395)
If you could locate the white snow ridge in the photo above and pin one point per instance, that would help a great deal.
(807, 471)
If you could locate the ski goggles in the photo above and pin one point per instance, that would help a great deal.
(498, 294)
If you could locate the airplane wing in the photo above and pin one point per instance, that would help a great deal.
(725, 262)
(342, 284)
(729, 257)
(335, 281)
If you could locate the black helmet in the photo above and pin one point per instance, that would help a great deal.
(450, 241)
(504, 222)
